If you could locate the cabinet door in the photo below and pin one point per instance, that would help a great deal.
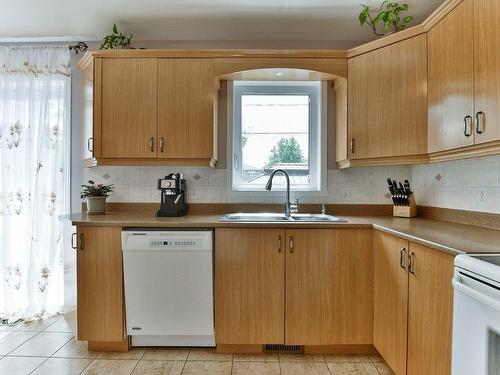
(87, 120)
(387, 91)
(451, 67)
(128, 108)
(430, 313)
(391, 300)
(487, 68)
(186, 104)
(329, 286)
(100, 313)
(249, 286)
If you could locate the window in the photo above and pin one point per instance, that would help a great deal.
(277, 125)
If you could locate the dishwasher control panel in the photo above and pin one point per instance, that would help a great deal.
(138, 240)
(177, 243)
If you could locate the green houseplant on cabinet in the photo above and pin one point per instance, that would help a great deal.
(389, 15)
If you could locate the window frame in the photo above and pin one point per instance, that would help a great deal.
(316, 90)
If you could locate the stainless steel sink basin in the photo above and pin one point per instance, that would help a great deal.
(268, 217)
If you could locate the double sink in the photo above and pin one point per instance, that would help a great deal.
(268, 217)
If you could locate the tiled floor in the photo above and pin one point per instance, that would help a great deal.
(48, 348)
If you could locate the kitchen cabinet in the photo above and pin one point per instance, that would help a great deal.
(186, 106)
(249, 286)
(128, 108)
(328, 287)
(149, 111)
(100, 311)
(413, 299)
(297, 287)
(451, 80)
(387, 104)
(464, 81)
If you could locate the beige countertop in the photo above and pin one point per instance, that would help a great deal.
(440, 235)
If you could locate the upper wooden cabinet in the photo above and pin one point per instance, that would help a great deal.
(186, 90)
(149, 110)
(128, 108)
(451, 80)
(387, 102)
(413, 306)
(297, 287)
(464, 81)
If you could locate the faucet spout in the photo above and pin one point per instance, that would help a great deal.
(269, 186)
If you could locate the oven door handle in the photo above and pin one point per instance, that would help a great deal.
(473, 293)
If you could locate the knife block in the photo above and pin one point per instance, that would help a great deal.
(406, 211)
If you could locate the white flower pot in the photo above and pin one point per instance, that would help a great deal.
(96, 205)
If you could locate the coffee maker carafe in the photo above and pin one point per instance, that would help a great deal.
(173, 196)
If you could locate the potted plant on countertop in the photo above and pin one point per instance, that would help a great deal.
(95, 195)
(389, 15)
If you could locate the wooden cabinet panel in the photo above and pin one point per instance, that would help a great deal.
(451, 79)
(329, 286)
(87, 120)
(487, 67)
(430, 312)
(387, 96)
(128, 108)
(100, 311)
(186, 90)
(390, 300)
(249, 286)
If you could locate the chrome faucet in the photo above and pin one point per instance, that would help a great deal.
(289, 207)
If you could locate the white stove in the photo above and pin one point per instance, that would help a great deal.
(476, 315)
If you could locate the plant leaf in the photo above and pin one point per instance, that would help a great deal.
(115, 30)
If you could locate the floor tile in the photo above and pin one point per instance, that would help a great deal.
(43, 344)
(349, 358)
(303, 368)
(208, 354)
(62, 366)
(159, 368)
(135, 353)
(383, 369)
(166, 354)
(207, 368)
(19, 365)
(264, 357)
(294, 358)
(255, 368)
(358, 368)
(75, 349)
(59, 325)
(11, 340)
(111, 366)
(376, 358)
(36, 325)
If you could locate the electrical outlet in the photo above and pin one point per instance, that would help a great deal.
(481, 199)
(347, 195)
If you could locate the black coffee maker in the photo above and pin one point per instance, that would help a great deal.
(173, 196)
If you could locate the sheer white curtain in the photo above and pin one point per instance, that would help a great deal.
(34, 169)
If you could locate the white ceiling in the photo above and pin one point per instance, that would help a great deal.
(308, 22)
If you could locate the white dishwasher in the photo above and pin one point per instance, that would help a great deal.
(168, 287)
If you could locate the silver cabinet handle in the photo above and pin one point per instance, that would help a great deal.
(81, 241)
(279, 244)
(402, 257)
(411, 265)
(480, 122)
(352, 146)
(292, 248)
(73, 241)
(468, 125)
(161, 144)
(152, 144)
(89, 141)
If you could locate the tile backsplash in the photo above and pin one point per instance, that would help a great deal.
(466, 184)
(207, 185)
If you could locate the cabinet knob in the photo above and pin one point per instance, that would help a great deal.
(480, 122)
(402, 253)
(411, 265)
(161, 144)
(292, 246)
(279, 244)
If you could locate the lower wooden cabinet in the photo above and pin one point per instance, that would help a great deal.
(299, 286)
(413, 306)
(100, 302)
